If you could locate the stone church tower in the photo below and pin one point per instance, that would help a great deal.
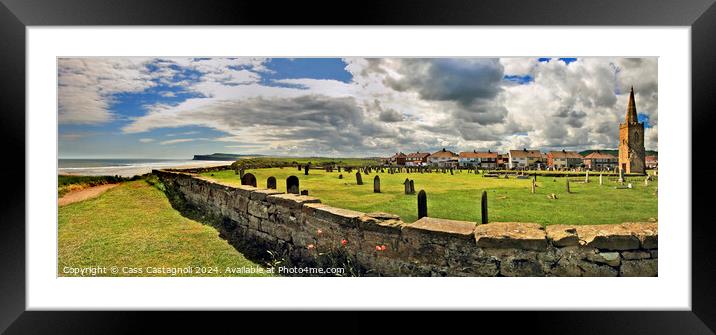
(631, 141)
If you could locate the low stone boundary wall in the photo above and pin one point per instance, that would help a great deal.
(303, 229)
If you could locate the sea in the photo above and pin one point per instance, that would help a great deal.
(127, 167)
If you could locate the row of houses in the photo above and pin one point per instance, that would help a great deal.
(514, 159)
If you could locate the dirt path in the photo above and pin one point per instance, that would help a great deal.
(84, 194)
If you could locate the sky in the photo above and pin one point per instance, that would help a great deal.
(169, 107)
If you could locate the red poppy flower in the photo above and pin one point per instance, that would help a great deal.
(344, 242)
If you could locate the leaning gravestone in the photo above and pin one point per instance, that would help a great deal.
(376, 184)
(359, 179)
(248, 179)
(292, 184)
(271, 183)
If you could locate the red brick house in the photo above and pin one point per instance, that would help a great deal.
(417, 159)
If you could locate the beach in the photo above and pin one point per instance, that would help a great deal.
(127, 167)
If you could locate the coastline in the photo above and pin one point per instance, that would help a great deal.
(137, 169)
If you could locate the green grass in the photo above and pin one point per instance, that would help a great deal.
(66, 183)
(458, 197)
(134, 225)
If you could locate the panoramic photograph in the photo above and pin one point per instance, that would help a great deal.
(357, 167)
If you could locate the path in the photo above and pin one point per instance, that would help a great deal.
(84, 194)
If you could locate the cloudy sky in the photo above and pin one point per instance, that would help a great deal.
(349, 107)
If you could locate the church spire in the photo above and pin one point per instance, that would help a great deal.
(631, 108)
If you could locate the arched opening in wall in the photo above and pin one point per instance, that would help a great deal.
(292, 184)
(248, 179)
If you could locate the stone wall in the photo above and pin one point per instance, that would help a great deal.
(304, 230)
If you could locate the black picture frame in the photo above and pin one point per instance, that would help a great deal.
(700, 15)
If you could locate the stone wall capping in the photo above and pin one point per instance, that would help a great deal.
(261, 194)
(518, 235)
(562, 235)
(442, 227)
(344, 217)
(607, 237)
(291, 200)
(381, 222)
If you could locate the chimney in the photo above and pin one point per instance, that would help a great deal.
(563, 151)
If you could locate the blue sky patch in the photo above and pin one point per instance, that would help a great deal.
(645, 119)
(522, 80)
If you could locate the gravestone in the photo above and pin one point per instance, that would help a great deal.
(412, 187)
(376, 184)
(621, 175)
(601, 182)
(339, 168)
(451, 173)
(533, 186)
(406, 184)
(299, 167)
(304, 192)
(586, 178)
(305, 170)
(359, 179)
(646, 181)
(567, 184)
(292, 184)
(271, 183)
(483, 207)
(422, 205)
(248, 179)
(340, 176)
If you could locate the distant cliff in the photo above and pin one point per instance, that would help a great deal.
(221, 157)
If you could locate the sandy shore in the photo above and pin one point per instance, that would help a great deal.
(133, 170)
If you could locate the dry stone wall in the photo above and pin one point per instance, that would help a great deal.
(301, 228)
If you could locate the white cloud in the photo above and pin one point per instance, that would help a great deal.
(146, 140)
(86, 86)
(181, 140)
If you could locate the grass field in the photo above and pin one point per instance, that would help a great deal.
(67, 183)
(133, 225)
(458, 196)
